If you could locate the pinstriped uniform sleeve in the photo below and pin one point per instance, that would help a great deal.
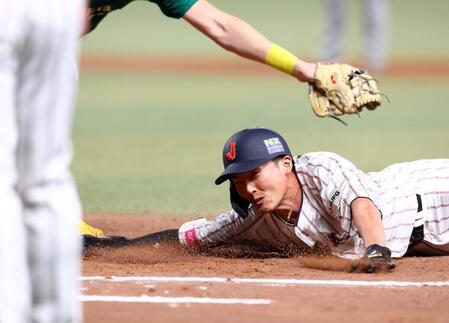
(203, 232)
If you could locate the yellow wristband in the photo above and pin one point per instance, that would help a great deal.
(281, 59)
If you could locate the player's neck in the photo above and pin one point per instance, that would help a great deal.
(289, 207)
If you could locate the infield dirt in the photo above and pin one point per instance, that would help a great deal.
(288, 303)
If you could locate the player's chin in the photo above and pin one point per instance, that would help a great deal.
(265, 208)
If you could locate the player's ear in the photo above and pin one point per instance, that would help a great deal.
(287, 163)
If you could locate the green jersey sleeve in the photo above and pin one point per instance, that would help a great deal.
(174, 8)
(98, 9)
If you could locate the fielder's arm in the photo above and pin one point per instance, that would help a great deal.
(231, 33)
(237, 36)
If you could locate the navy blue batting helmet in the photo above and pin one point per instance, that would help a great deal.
(249, 149)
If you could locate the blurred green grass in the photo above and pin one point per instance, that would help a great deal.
(152, 143)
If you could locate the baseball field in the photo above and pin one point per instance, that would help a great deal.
(157, 100)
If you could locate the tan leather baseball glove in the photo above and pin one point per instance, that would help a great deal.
(340, 89)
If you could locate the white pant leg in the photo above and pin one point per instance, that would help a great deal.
(335, 20)
(376, 29)
(44, 93)
(15, 295)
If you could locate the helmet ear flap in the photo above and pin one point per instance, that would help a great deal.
(238, 203)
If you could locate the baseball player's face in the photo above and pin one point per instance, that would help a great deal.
(264, 187)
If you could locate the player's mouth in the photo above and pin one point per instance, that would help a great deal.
(258, 202)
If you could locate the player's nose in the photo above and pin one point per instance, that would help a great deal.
(250, 187)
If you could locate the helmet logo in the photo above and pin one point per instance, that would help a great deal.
(274, 145)
(230, 155)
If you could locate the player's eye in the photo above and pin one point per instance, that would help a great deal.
(254, 174)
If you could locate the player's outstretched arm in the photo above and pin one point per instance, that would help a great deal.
(169, 236)
(237, 36)
(367, 219)
(166, 236)
(192, 233)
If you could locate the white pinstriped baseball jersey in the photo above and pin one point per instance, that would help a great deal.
(329, 185)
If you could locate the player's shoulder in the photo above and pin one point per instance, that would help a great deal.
(320, 162)
(316, 157)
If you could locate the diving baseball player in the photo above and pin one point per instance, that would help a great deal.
(325, 199)
(320, 198)
(40, 211)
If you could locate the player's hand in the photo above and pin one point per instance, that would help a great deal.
(376, 258)
(339, 89)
